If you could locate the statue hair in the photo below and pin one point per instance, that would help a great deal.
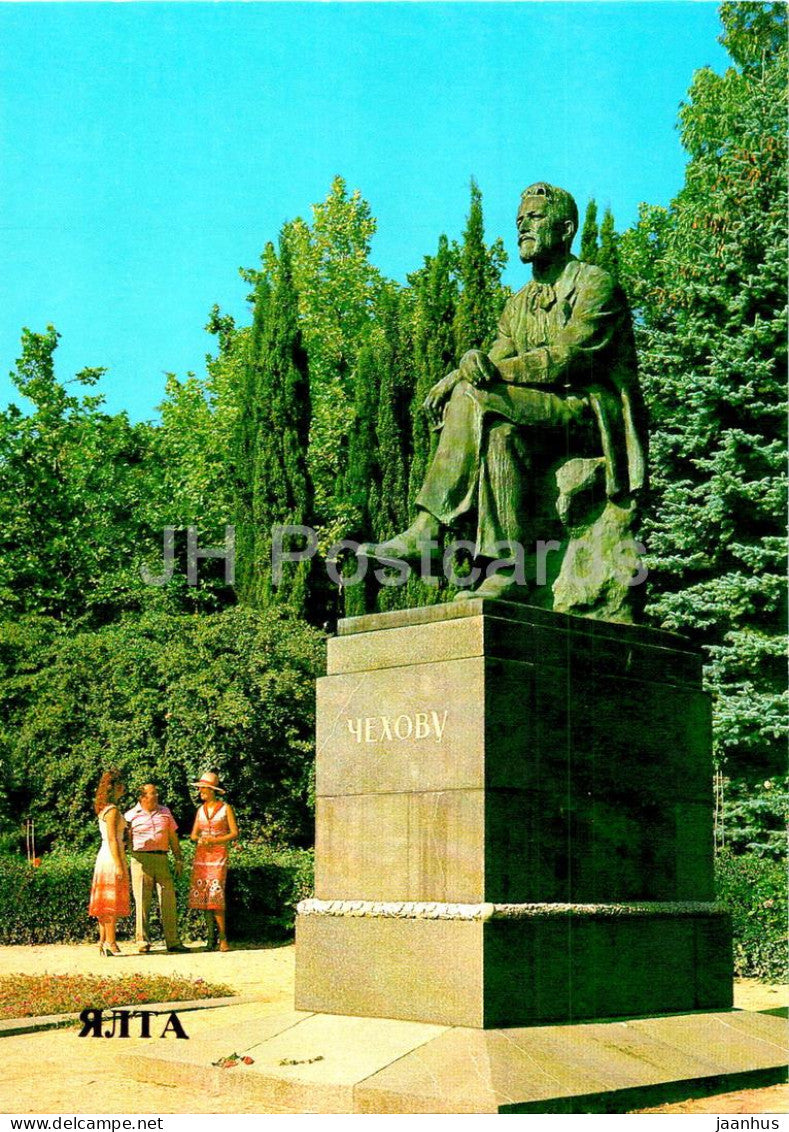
(561, 204)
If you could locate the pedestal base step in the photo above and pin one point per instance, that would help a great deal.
(329, 1063)
(493, 965)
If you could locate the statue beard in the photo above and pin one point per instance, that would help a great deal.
(527, 250)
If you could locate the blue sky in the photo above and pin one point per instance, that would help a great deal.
(148, 150)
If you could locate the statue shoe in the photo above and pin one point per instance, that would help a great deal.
(420, 539)
(501, 586)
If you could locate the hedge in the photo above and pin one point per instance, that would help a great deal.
(49, 904)
(753, 890)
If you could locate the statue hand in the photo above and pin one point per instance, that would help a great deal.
(477, 368)
(435, 399)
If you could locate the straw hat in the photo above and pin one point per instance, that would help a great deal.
(210, 780)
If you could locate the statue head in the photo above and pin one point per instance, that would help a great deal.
(547, 221)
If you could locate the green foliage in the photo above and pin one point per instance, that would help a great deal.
(708, 280)
(84, 496)
(607, 255)
(434, 311)
(73, 485)
(338, 289)
(379, 451)
(752, 817)
(754, 31)
(97, 667)
(600, 245)
(753, 890)
(589, 234)
(362, 442)
(163, 697)
(190, 451)
(393, 423)
(272, 437)
(435, 291)
(51, 902)
(479, 269)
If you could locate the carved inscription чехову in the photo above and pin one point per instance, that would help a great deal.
(420, 725)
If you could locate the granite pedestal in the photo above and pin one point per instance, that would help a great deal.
(514, 823)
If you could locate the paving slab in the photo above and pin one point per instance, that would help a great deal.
(595, 1067)
(302, 1062)
(334, 1063)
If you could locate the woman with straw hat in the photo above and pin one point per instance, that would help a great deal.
(213, 830)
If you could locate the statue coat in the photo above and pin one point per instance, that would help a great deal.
(566, 364)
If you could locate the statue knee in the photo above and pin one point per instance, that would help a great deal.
(461, 390)
(461, 405)
(503, 438)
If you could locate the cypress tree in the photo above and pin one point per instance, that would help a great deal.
(393, 429)
(435, 295)
(248, 430)
(479, 272)
(376, 481)
(608, 253)
(358, 488)
(435, 306)
(589, 233)
(362, 454)
(393, 422)
(273, 437)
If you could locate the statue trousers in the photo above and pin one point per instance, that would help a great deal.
(484, 457)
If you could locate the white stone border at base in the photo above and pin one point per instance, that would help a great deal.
(424, 910)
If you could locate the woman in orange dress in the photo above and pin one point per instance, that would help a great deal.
(109, 893)
(213, 830)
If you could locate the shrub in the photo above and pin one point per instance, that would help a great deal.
(50, 904)
(753, 890)
(263, 888)
(163, 698)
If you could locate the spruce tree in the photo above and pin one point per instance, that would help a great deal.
(708, 280)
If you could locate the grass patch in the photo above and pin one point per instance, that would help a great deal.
(25, 996)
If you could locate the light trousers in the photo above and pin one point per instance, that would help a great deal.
(149, 871)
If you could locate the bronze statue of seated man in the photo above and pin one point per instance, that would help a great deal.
(559, 379)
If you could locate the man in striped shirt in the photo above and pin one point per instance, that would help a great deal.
(152, 829)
